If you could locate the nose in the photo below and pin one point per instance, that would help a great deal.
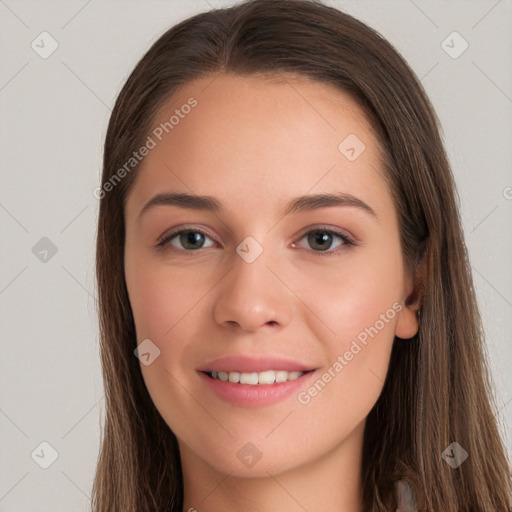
(252, 297)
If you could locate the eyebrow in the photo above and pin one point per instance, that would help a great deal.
(299, 204)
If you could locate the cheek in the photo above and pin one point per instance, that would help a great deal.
(356, 309)
(159, 296)
(349, 384)
(164, 303)
(350, 296)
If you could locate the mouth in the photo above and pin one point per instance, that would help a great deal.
(263, 378)
(250, 381)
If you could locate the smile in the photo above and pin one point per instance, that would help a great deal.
(256, 378)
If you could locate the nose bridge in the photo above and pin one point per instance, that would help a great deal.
(250, 295)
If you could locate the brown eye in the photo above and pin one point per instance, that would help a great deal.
(191, 239)
(325, 240)
(186, 239)
(320, 240)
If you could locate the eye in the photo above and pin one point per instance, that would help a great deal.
(186, 239)
(321, 240)
(325, 240)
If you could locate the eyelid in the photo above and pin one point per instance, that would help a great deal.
(329, 228)
(164, 239)
(348, 239)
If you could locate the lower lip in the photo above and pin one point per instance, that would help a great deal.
(260, 395)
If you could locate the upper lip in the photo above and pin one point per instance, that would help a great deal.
(246, 364)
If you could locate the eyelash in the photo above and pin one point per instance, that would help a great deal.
(347, 241)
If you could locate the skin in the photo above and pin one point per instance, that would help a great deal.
(254, 144)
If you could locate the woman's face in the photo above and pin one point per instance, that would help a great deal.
(249, 290)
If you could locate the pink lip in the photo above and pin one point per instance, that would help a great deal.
(246, 395)
(262, 395)
(248, 364)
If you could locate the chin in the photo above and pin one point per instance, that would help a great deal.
(273, 464)
(241, 458)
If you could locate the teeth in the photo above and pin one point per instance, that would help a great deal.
(249, 378)
(254, 378)
(234, 377)
(281, 376)
(268, 377)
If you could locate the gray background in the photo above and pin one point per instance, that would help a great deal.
(54, 118)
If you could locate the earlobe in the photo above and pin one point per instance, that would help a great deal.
(407, 325)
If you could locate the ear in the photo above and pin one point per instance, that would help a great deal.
(407, 325)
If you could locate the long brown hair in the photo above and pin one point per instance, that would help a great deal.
(437, 389)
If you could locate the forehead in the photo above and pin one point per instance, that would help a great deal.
(251, 136)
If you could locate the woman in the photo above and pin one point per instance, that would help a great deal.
(287, 313)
